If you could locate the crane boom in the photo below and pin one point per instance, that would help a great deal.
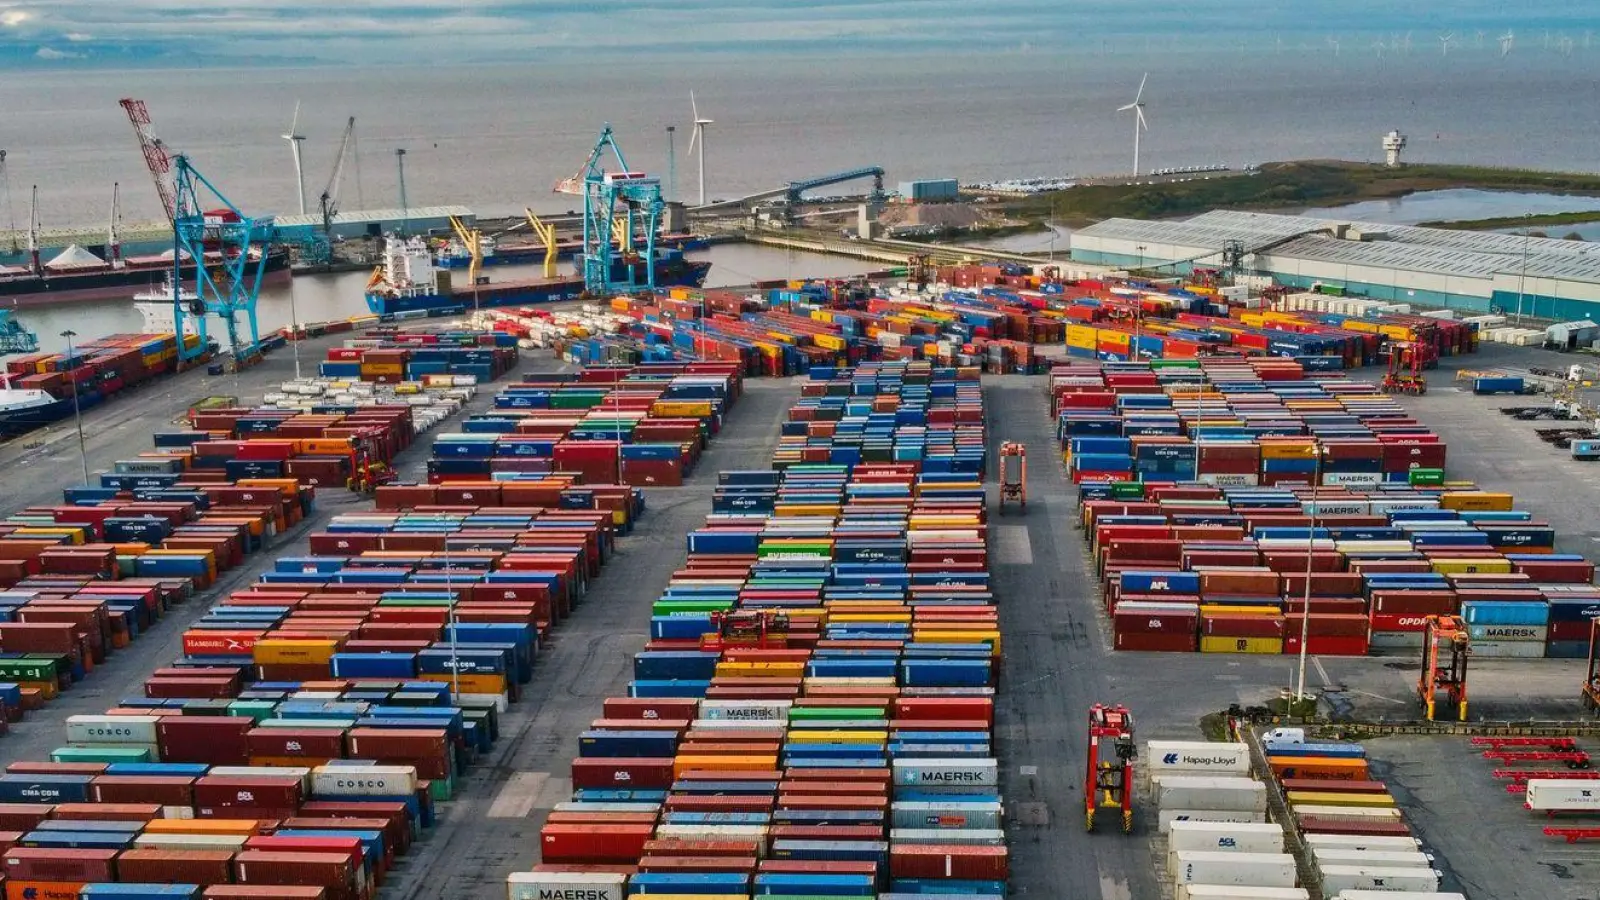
(155, 155)
(330, 194)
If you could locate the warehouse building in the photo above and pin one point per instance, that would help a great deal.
(1466, 270)
(375, 222)
(930, 190)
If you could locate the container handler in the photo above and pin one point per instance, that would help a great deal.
(1013, 475)
(761, 629)
(1445, 647)
(1407, 359)
(368, 471)
(1108, 781)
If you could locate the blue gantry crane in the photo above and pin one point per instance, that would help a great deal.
(14, 338)
(228, 248)
(621, 214)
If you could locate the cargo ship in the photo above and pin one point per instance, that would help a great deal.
(454, 254)
(409, 281)
(76, 274)
(38, 388)
(24, 409)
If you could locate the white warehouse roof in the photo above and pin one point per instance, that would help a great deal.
(362, 216)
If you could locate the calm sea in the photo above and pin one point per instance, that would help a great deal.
(496, 138)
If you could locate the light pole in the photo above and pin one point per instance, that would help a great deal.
(77, 407)
(1140, 248)
(400, 161)
(1527, 238)
(294, 332)
(455, 638)
(1311, 547)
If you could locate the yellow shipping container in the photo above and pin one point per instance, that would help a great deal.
(1264, 645)
(1081, 336)
(1484, 565)
(382, 369)
(681, 409)
(272, 651)
(1476, 501)
(830, 342)
(476, 683)
(760, 669)
(1289, 450)
(203, 826)
(1212, 609)
(1358, 325)
(753, 763)
(837, 736)
(1114, 338)
(944, 635)
(1326, 798)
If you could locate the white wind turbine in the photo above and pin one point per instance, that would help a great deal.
(295, 139)
(1379, 46)
(1444, 43)
(1506, 40)
(1139, 123)
(698, 136)
(1334, 43)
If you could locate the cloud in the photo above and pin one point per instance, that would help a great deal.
(14, 18)
(78, 36)
(52, 53)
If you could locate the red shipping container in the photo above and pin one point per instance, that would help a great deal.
(329, 870)
(941, 708)
(176, 866)
(1327, 645)
(255, 797)
(1155, 641)
(60, 864)
(953, 861)
(23, 816)
(1327, 625)
(615, 772)
(313, 745)
(119, 812)
(598, 843)
(1393, 623)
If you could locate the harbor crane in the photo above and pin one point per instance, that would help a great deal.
(617, 205)
(14, 338)
(321, 249)
(229, 249)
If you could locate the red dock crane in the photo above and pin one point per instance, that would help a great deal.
(1108, 779)
(1445, 648)
(1013, 475)
(761, 629)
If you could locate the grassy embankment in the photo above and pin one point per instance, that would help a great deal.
(1293, 184)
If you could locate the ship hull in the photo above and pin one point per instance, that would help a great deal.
(21, 421)
(533, 256)
(523, 293)
(111, 284)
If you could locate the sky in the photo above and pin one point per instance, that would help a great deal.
(74, 33)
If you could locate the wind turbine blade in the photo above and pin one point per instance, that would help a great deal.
(1140, 96)
(694, 136)
(1139, 111)
(1126, 108)
(694, 106)
(294, 124)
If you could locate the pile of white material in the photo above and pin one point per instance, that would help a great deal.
(1220, 845)
(1307, 301)
(432, 400)
(544, 331)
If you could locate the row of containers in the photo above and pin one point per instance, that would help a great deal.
(1220, 844)
(1199, 507)
(390, 357)
(317, 718)
(639, 425)
(813, 715)
(84, 578)
(889, 412)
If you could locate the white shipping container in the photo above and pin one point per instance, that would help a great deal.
(1166, 817)
(936, 773)
(1197, 756)
(942, 815)
(1381, 813)
(1389, 895)
(746, 710)
(682, 832)
(1205, 792)
(1402, 859)
(363, 781)
(112, 729)
(1346, 878)
(565, 886)
(1253, 869)
(1384, 843)
(1227, 837)
(986, 837)
(230, 842)
(1238, 892)
(1557, 794)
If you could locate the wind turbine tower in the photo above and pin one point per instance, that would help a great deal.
(1139, 123)
(698, 136)
(295, 139)
(1444, 43)
(1506, 40)
(1393, 143)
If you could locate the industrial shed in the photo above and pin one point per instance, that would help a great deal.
(375, 222)
(1472, 271)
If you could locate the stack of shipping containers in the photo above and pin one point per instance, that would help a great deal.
(1196, 481)
(814, 712)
